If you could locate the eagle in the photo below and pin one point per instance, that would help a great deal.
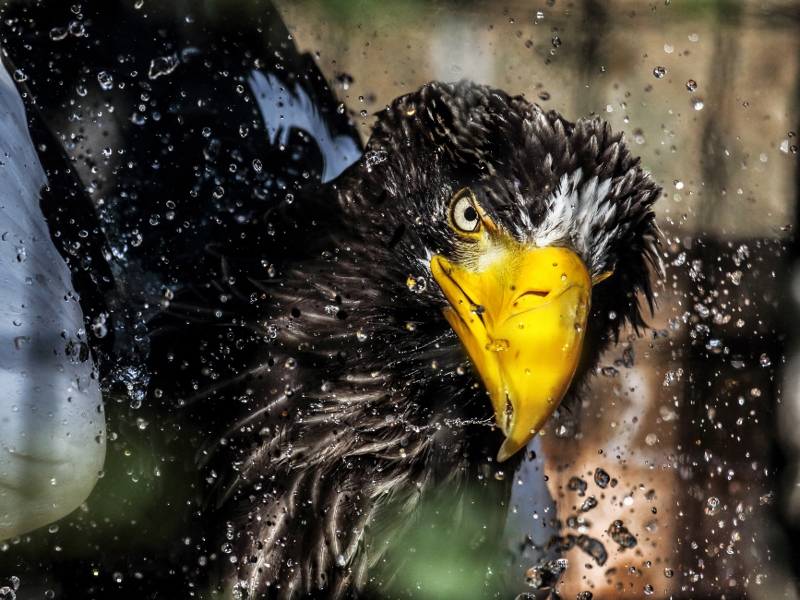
(334, 352)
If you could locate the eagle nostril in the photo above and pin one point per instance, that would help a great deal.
(536, 293)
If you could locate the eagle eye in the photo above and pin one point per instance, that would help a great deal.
(463, 214)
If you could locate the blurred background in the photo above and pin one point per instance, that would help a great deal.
(695, 421)
(678, 474)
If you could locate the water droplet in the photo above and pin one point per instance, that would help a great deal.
(361, 336)
(58, 33)
(697, 103)
(20, 76)
(659, 72)
(206, 132)
(648, 589)
(556, 41)
(163, 65)
(691, 85)
(244, 130)
(576, 484)
(627, 357)
(601, 478)
(620, 534)
(257, 166)
(290, 363)
(105, 80)
(497, 345)
(416, 284)
(713, 506)
(593, 548)
(500, 475)
(77, 29)
(765, 360)
(218, 192)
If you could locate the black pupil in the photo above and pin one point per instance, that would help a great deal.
(470, 214)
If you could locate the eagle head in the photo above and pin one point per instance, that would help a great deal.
(534, 233)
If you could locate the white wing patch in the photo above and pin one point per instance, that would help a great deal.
(284, 108)
(579, 219)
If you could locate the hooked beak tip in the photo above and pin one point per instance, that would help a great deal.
(507, 450)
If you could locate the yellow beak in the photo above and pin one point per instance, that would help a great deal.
(522, 319)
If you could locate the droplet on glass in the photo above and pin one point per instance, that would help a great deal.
(58, 33)
(659, 72)
(601, 478)
(713, 505)
(691, 85)
(576, 484)
(416, 284)
(105, 80)
(162, 65)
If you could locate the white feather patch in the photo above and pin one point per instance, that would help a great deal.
(579, 219)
